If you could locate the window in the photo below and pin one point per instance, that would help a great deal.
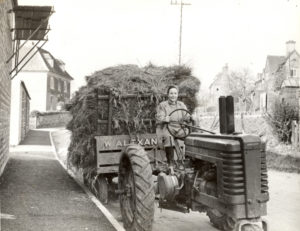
(51, 82)
(65, 86)
(293, 72)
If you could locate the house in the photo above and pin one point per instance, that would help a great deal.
(19, 114)
(219, 87)
(46, 79)
(279, 80)
(232, 83)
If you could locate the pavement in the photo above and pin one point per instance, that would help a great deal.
(37, 194)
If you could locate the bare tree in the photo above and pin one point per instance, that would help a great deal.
(241, 84)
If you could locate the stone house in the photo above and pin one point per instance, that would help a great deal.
(19, 114)
(47, 81)
(6, 49)
(219, 87)
(227, 83)
(279, 80)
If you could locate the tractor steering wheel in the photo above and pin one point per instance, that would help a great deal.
(180, 129)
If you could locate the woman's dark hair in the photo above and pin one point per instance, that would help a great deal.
(172, 86)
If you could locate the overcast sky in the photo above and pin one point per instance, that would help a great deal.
(93, 34)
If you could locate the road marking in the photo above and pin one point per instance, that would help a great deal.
(100, 206)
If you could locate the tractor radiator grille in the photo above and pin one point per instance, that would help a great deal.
(264, 173)
(233, 174)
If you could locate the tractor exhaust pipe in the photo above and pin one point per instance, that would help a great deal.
(226, 115)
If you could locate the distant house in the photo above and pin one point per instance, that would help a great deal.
(224, 84)
(219, 87)
(279, 80)
(19, 112)
(46, 79)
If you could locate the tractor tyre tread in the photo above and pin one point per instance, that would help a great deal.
(144, 190)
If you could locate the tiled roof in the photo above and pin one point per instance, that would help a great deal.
(55, 68)
(35, 64)
(273, 62)
(39, 62)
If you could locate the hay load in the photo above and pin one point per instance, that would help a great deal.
(129, 115)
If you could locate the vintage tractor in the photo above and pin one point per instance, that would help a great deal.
(223, 175)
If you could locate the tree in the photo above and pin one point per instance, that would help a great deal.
(241, 84)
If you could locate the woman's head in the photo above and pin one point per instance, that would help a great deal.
(172, 93)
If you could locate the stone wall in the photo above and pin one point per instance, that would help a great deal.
(5, 84)
(50, 120)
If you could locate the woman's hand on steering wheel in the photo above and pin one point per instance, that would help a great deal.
(180, 129)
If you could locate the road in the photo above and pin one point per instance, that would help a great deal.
(37, 194)
(283, 207)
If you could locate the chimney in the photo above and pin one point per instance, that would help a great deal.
(290, 46)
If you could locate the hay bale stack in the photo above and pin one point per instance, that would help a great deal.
(130, 116)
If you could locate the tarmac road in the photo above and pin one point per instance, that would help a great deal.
(37, 194)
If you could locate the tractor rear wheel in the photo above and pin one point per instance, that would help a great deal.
(136, 189)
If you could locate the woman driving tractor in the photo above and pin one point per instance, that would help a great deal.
(169, 117)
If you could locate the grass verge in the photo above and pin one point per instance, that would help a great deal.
(284, 163)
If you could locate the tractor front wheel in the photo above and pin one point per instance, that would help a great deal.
(226, 223)
(136, 189)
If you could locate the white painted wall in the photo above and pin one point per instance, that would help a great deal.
(36, 84)
(15, 112)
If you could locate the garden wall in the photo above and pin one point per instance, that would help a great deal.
(50, 120)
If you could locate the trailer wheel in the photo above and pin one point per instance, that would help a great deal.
(136, 189)
(102, 189)
(223, 222)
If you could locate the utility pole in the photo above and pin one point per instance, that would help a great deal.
(181, 3)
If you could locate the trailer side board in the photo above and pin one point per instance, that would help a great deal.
(109, 150)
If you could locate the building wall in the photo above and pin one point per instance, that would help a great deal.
(290, 96)
(57, 91)
(25, 108)
(293, 63)
(5, 84)
(36, 84)
(19, 117)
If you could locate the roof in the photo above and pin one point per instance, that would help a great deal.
(291, 83)
(41, 62)
(273, 62)
(31, 22)
(35, 63)
(55, 68)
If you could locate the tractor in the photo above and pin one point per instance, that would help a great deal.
(223, 175)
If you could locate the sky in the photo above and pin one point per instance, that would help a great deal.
(94, 34)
